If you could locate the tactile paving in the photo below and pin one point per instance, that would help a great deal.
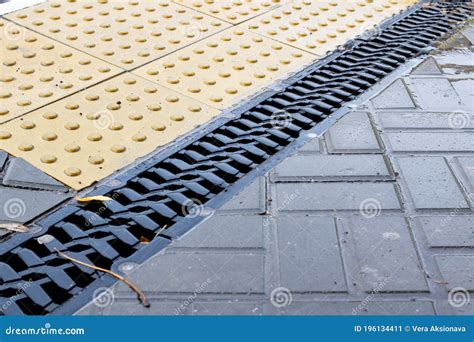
(320, 26)
(227, 67)
(36, 70)
(91, 134)
(125, 33)
(232, 11)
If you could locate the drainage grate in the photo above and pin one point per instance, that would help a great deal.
(35, 280)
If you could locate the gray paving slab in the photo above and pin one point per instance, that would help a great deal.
(335, 196)
(436, 94)
(395, 96)
(427, 67)
(386, 256)
(431, 183)
(214, 272)
(431, 141)
(128, 306)
(353, 134)
(468, 32)
(309, 254)
(465, 91)
(21, 205)
(313, 146)
(250, 199)
(457, 270)
(448, 231)
(3, 159)
(467, 167)
(355, 308)
(421, 121)
(225, 231)
(332, 167)
(22, 173)
(227, 308)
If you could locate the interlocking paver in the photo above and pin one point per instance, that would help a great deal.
(222, 231)
(226, 308)
(22, 205)
(467, 166)
(22, 173)
(431, 183)
(428, 67)
(309, 255)
(3, 159)
(127, 306)
(249, 200)
(457, 270)
(386, 256)
(128, 33)
(313, 146)
(332, 167)
(211, 272)
(436, 94)
(431, 141)
(395, 96)
(374, 307)
(420, 120)
(335, 196)
(353, 134)
(448, 231)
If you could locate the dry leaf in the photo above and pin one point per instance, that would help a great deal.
(93, 198)
(14, 227)
(144, 240)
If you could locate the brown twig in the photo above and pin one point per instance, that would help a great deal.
(140, 295)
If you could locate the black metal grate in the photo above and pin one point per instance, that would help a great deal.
(35, 280)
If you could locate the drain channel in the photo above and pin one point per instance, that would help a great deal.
(35, 280)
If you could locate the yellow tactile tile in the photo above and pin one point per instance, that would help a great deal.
(232, 11)
(125, 33)
(35, 70)
(320, 26)
(223, 69)
(89, 135)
